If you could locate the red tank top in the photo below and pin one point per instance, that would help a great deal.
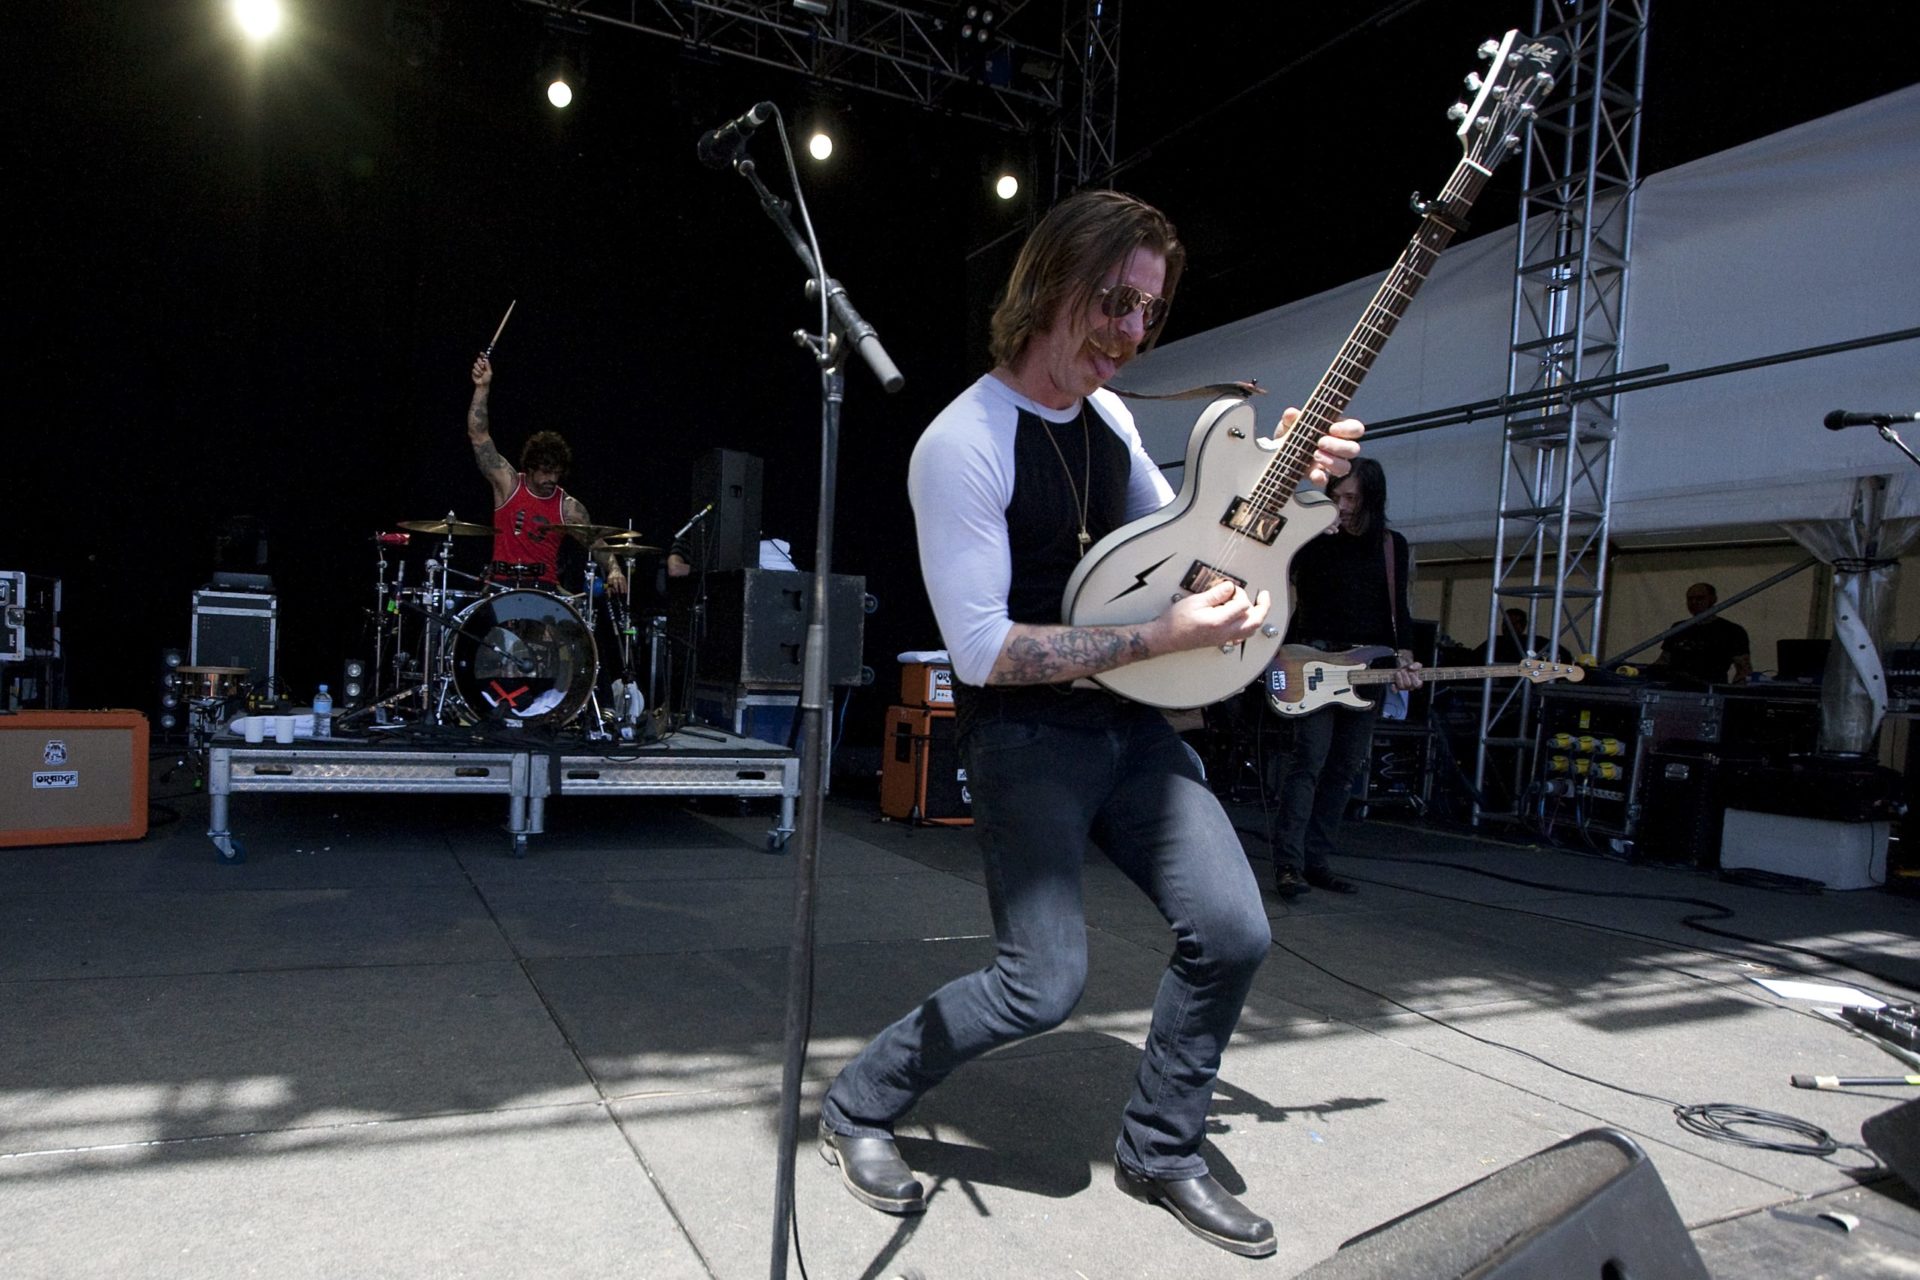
(520, 533)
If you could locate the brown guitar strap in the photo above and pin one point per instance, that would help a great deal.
(1393, 588)
(1208, 391)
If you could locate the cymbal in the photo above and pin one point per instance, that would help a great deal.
(449, 528)
(625, 543)
(586, 532)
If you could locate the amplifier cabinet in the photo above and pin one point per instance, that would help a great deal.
(237, 629)
(72, 777)
(921, 779)
(926, 684)
(757, 627)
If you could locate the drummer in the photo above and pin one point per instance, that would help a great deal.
(528, 501)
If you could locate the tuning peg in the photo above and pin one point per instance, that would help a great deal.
(1457, 112)
(1474, 82)
(1488, 49)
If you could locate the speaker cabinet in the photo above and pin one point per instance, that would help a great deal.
(756, 627)
(1894, 1136)
(72, 777)
(1591, 1208)
(237, 629)
(729, 538)
(920, 775)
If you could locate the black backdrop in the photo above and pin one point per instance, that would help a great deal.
(253, 284)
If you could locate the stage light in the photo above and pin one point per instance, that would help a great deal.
(257, 19)
(1007, 187)
(820, 145)
(563, 59)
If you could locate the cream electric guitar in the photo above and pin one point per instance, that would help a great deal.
(1301, 680)
(1238, 516)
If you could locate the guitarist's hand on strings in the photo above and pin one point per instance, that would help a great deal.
(1335, 451)
(1220, 615)
(1406, 672)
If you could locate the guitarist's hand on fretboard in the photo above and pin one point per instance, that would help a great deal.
(1406, 672)
(1334, 452)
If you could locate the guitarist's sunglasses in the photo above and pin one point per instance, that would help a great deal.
(1122, 300)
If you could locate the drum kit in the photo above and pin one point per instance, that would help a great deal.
(507, 646)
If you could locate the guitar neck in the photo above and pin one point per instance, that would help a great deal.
(1442, 217)
(1368, 675)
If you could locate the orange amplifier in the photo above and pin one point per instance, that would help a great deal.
(920, 775)
(72, 777)
(926, 684)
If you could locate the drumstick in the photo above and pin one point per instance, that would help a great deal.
(501, 329)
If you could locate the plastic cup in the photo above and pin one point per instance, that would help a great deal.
(283, 728)
(256, 728)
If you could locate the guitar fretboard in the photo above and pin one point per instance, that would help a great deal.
(1330, 398)
(1368, 675)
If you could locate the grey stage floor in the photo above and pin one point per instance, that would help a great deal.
(383, 1047)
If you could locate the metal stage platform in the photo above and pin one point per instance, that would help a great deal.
(694, 761)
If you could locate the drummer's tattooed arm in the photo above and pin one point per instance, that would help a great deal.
(498, 471)
(574, 511)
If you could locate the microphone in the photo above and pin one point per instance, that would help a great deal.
(1840, 419)
(698, 516)
(718, 147)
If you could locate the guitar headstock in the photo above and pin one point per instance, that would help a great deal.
(1521, 71)
(1540, 672)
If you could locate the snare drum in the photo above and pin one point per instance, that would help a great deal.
(213, 684)
(523, 657)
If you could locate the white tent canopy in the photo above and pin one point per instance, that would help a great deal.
(1802, 239)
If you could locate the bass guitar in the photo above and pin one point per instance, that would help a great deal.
(1241, 512)
(1301, 680)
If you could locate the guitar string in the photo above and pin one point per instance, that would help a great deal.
(1355, 358)
(1285, 471)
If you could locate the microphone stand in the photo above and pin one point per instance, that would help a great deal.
(840, 327)
(1892, 437)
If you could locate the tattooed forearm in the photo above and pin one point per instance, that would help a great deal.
(487, 456)
(479, 421)
(1066, 653)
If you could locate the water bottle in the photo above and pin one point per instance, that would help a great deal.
(323, 713)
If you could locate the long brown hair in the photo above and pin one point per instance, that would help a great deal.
(1079, 240)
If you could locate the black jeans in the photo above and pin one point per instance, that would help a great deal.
(1041, 792)
(1311, 779)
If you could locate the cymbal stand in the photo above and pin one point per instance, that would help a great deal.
(596, 719)
(439, 589)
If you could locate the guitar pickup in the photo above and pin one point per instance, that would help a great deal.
(1254, 521)
(1203, 575)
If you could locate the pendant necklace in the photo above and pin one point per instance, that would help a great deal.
(1082, 495)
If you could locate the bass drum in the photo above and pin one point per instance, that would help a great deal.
(523, 657)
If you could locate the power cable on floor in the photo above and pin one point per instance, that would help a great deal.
(1713, 1120)
(1710, 911)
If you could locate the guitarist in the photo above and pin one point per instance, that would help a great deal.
(1010, 484)
(1350, 590)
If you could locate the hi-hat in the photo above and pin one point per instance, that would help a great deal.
(625, 543)
(447, 528)
(586, 532)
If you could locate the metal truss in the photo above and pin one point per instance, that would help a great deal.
(1084, 140)
(1569, 312)
(909, 55)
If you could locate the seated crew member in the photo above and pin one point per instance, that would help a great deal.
(1705, 650)
(527, 501)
